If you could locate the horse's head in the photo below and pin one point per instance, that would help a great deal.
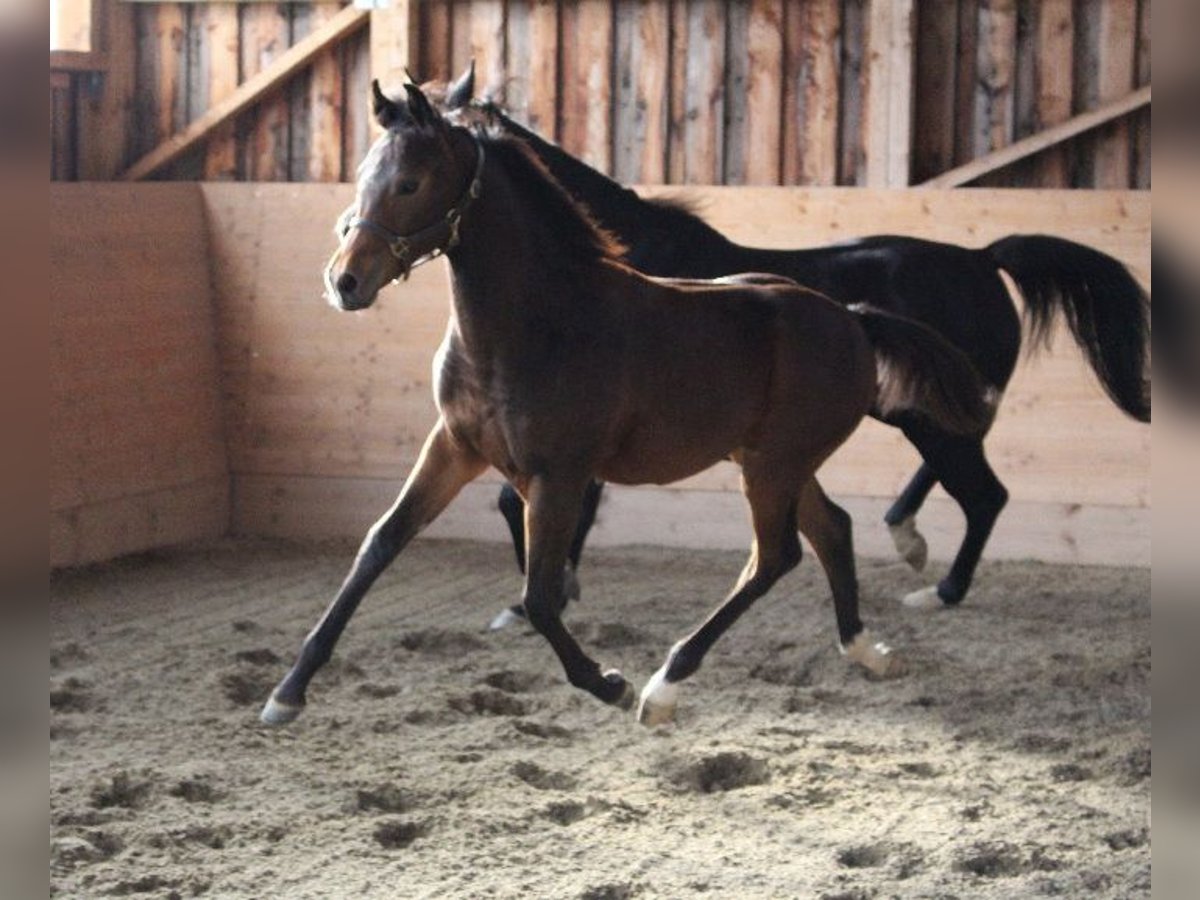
(413, 186)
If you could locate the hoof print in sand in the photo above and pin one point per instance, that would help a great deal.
(387, 798)
(547, 731)
(608, 892)
(66, 853)
(993, 861)
(542, 779)
(247, 687)
(73, 695)
(441, 642)
(863, 856)
(489, 703)
(1128, 839)
(398, 834)
(197, 789)
(726, 771)
(121, 790)
(512, 682)
(259, 656)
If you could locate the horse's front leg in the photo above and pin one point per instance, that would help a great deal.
(442, 469)
(551, 514)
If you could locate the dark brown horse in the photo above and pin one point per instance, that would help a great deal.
(954, 290)
(562, 365)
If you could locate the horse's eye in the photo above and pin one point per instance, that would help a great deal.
(408, 186)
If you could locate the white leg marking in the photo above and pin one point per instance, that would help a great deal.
(276, 713)
(925, 598)
(910, 543)
(658, 699)
(875, 656)
(503, 619)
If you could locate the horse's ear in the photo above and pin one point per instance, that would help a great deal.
(387, 111)
(418, 106)
(462, 91)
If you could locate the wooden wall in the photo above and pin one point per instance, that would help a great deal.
(652, 91)
(326, 410)
(137, 448)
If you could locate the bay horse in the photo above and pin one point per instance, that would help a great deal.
(561, 365)
(956, 291)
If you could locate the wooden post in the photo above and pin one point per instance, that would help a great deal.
(887, 115)
(391, 39)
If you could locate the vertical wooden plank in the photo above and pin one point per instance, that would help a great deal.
(532, 49)
(996, 61)
(391, 41)
(107, 117)
(63, 150)
(936, 65)
(161, 74)
(356, 125)
(640, 122)
(1141, 120)
(460, 36)
(587, 52)
(264, 150)
(487, 46)
(1054, 66)
(812, 92)
(326, 102)
(217, 69)
(698, 93)
(964, 83)
(754, 144)
(1116, 77)
(851, 169)
(432, 51)
(887, 106)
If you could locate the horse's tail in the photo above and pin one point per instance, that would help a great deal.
(920, 370)
(1106, 309)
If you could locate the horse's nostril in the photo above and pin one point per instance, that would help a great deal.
(346, 283)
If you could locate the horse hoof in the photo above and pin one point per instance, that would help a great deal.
(910, 543)
(659, 697)
(625, 699)
(504, 618)
(875, 656)
(925, 598)
(277, 713)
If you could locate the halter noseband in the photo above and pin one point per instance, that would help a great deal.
(402, 245)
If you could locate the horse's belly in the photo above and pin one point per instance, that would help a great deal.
(652, 456)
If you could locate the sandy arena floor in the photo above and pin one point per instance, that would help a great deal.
(438, 761)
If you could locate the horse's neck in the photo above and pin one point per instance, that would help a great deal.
(504, 281)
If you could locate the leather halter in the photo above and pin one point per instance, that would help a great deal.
(402, 246)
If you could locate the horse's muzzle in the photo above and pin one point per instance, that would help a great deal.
(344, 290)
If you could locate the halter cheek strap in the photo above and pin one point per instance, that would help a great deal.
(443, 233)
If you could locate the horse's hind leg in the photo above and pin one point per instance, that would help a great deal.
(828, 528)
(512, 507)
(441, 470)
(776, 551)
(551, 516)
(963, 470)
(901, 518)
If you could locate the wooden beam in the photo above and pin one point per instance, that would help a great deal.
(1041, 141)
(285, 66)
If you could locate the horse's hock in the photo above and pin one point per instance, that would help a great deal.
(194, 319)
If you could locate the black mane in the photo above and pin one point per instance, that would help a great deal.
(571, 223)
